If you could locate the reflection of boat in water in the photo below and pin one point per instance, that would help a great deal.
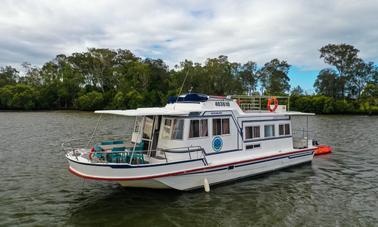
(195, 141)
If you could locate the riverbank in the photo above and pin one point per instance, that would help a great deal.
(310, 104)
(327, 105)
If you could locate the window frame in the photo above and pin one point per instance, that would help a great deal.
(221, 126)
(176, 121)
(252, 132)
(274, 133)
(286, 131)
(200, 128)
(169, 136)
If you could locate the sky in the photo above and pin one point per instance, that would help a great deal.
(254, 30)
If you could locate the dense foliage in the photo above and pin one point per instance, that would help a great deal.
(117, 79)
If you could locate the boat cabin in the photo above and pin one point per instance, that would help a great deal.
(194, 125)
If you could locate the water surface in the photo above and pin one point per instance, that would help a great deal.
(340, 189)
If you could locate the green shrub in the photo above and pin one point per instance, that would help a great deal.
(90, 101)
(19, 96)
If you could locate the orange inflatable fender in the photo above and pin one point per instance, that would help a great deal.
(323, 149)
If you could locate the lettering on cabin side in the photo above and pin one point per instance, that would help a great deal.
(216, 113)
(218, 103)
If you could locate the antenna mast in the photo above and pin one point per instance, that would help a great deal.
(186, 76)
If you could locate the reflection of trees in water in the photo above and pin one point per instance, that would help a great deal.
(266, 199)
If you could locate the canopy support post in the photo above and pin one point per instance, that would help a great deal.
(94, 131)
(307, 130)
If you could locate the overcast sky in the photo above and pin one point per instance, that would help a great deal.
(36, 31)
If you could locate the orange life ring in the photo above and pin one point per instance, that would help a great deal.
(274, 99)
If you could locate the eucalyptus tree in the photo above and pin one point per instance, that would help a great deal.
(329, 84)
(8, 75)
(363, 73)
(344, 58)
(248, 76)
(274, 77)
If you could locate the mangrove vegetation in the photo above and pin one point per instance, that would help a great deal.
(117, 79)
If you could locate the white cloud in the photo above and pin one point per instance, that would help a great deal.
(36, 31)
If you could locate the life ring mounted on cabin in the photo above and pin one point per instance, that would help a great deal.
(275, 101)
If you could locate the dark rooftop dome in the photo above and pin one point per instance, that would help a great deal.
(191, 97)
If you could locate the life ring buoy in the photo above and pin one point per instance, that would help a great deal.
(275, 101)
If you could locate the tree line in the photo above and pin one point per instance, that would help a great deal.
(117, 79)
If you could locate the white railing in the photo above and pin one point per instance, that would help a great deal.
(130, 156)
(258, 103)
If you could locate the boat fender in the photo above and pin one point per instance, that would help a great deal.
(206, 185)
(275, 101)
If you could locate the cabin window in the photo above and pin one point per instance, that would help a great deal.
(177, 129)
(198, 128)
(284, 129)
(269, 130)
(252, 132)
(138, 124)
(147, 129)
(221, 126)
(167, 129)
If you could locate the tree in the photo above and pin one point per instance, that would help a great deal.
(328, 83)
(96, 65)
(297, 91)
(8, 75)
(273, 77)
(61, 81)
(247, 73)
(18, 96)
(90, 101)
(32, 75)
(343, 57)
(362, 74)
(370, 91)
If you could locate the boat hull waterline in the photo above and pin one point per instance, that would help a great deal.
(186, 175)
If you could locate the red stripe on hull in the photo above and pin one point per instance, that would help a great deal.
(181, 172)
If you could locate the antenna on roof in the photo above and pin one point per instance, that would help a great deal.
(186, 76)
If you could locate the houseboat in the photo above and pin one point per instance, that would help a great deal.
(196, 141)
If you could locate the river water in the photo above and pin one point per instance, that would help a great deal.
(340, 189)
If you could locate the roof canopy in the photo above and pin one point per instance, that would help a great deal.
(144, 112)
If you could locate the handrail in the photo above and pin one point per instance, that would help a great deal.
(188, 151)
(174, 150)
(130, 152)
(97, 140)
(255, 102)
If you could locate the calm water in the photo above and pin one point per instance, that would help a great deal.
(340, 189)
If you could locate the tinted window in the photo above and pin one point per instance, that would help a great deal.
(204, 128)
(167, 129)
(177, 129)
(225, 126)
(284, 129)
(198, 128)
(217, 127)
(268, 130)
(221, 126)
(252, 132)
(147, 129)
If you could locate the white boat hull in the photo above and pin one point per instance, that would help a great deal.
(190, 174)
